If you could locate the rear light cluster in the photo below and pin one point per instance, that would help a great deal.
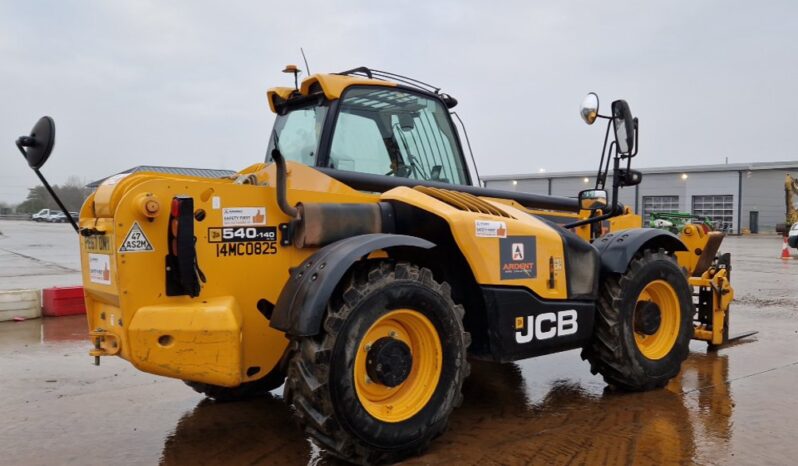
(183, 274)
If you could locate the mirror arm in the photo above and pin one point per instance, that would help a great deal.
(616, 182)
(26, 141)
(613, 205)
(591, 219)
(599, 179)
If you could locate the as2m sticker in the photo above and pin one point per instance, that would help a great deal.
(241, 234)
(136, 240)
(253, 248)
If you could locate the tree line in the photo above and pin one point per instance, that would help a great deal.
(72, 194)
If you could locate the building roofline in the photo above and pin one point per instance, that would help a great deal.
(752, 166)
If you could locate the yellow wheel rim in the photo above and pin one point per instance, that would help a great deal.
(659, 344)
(397, 404)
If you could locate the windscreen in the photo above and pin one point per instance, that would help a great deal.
(396, 133)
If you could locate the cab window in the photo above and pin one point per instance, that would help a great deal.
(396, 133)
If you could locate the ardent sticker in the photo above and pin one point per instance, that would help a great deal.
(243, 216)
(100, 269)
(490, 229)
(518, 255)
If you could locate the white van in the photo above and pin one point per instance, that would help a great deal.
(41, 216)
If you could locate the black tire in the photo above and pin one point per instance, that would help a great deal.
(613, 351)
(245, 391)
(321, 384)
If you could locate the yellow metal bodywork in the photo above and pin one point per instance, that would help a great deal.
(483, 253)
(790, 192)
(221, 337)
(332, 85)
(221, 334)
(400, 403)
(626, 221)
(722, 296)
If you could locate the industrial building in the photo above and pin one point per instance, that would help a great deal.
(739, 197)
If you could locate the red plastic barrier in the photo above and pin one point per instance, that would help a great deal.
(66, 301)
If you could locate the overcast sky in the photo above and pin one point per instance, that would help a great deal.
(183, 83)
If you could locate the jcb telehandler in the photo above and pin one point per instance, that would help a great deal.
(363, 264)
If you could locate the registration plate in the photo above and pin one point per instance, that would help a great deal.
(100, 244)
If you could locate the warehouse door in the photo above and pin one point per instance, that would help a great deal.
(719, 208)
(753, 221)
(668, 204)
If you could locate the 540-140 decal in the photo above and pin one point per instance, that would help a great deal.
(243, 241)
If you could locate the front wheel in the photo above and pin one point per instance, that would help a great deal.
(644, 322)
(378, 384)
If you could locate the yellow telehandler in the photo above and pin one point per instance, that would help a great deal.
(363, 264)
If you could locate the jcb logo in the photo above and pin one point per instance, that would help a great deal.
(545, 326)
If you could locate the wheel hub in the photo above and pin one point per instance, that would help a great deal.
(648, 317)
(389, 362)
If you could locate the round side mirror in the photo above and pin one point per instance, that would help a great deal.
(590, 108)
(39, 145)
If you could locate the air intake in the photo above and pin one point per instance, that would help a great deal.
(463, 201)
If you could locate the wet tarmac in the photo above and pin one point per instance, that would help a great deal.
(38, 255)
(737, 406)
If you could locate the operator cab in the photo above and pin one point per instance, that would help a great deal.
(368, 126)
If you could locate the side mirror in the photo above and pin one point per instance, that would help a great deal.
(37, 147)
(624, 125)
(593, 199)
(590, 108)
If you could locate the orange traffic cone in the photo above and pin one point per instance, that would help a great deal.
(785, 252)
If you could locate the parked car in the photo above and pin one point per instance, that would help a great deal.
(792, 236)
(57, 217)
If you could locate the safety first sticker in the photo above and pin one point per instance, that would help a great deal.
(490, 229)
(136, 240)
(243, 216)
(100, 269)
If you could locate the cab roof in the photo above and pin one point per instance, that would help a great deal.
(333, 85)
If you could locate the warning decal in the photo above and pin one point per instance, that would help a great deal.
(135, 241)
(243, 216)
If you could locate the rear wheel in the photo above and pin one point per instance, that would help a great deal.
(644, 322)
(378, 384)
(247, 390)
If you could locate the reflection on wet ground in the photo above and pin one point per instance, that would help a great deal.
(541, 411)
(496, 425)
(732, 407)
